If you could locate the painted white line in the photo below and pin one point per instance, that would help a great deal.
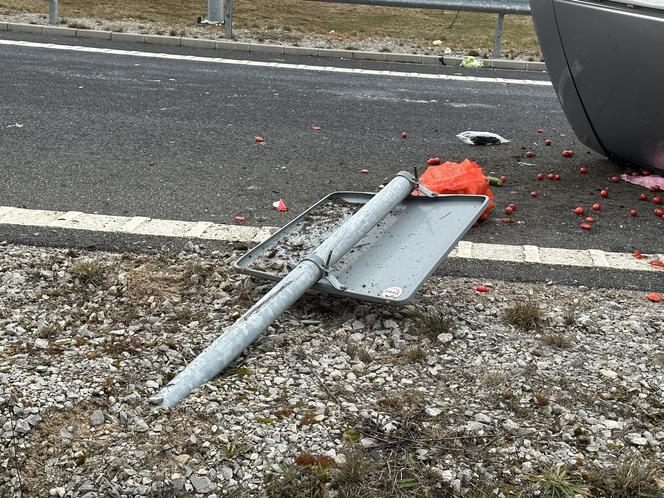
(205, 230)
(277, 65)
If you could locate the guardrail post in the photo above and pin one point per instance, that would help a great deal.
(53, 12)
(228, 20)
(215, 11)
(499, 35)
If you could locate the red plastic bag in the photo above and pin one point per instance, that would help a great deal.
(458, 178)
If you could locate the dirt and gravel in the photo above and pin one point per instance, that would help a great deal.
(525, 390)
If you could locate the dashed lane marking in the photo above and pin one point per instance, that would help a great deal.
(205, 230)
(277, 65)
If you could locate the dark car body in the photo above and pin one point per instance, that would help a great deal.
(606, 62)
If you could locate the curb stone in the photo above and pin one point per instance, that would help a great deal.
(178, 41)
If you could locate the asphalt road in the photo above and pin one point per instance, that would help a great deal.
(174, 139)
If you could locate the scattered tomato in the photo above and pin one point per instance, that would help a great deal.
(280, 205)
(315, 127)
(404, 135)
(579, 210)
(637, 254)
(568, 153)
(654, 297)
(433, 161)
(604, 193)
(583, 170)
(656, 263)
(556, 177)
(659, 213)
(586, 226)
(513, 206)
(507, 220)
(482, 288)
(364, 171)
(539, 130)
(643, 197)
(503, 179)
(540, 176)
(550, 176)
(597, 206)
(548, 141)
(530, 153)
(533, 195)
(259, 139)
(590, 219)
(657, 199)
(509, 210)
(633, 212)
(239, 218)
(615, 179)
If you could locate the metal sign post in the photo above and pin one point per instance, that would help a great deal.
(215, 11)
(53, 12)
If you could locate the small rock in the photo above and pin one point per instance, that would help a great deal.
(445, 338)
(202, 484)
(433, 411)
(636, 439)
(96, 418)
(608, 373)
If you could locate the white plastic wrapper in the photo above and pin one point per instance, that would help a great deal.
(481, 138)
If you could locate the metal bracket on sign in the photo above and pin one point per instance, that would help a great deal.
(324, 267)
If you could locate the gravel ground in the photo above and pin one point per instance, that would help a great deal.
(527, 390)
(272, 36)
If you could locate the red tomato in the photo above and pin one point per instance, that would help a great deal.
(315, 127)
(482, 288)
(654, 297)
(579, 210)
(590, 219)
(633, 212)
(540, 176)
(509, 210)
(404, 135)
(604, 193)
(548, 141)
(550, 176)
(615, 179)
(656, 263)
(657, 199)
(643, 197)
(513, 206)
(239, 218)
(530, 153)
(507, 220)
(659, 213)
(586, 226)
(556, 177)
(637, 254)
(583, 170)
(568, 153)
(533, 195)
(597, 206)
(433, 161)
(364, 171)
(259, 139)
(539, 130)
(503, 179)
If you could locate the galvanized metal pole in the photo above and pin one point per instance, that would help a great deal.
(228, 20)
(230, 344)
(499, 35)
(53, 12)
(215, 11)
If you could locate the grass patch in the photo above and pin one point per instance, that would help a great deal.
(416, 355)
(557, 482)
(77, 25)
(634, 476)
(560, 341)
(525, 316)
(88, 271)
(434, 324)
(358, 353)
(348, 22)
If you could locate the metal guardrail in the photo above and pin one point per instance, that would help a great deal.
(500, 7)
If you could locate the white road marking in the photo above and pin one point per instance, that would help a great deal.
(205, 230)
(279, 65)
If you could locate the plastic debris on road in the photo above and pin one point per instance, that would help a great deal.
(280, 205)
(470, 62)
(458, 178)
(481, 138)
(645, 181)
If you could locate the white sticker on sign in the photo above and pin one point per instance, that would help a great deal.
(392, 292)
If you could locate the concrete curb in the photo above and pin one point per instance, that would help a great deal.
(177, 41)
